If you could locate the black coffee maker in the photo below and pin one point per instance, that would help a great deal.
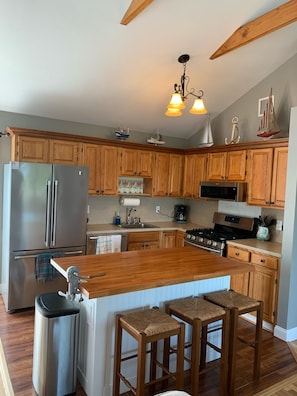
(180, 213)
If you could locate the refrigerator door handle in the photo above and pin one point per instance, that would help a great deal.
(54, 218)
(48, 213)
(73, 253)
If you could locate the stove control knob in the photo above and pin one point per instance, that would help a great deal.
(214, 243)
(208, 242)
(193, 237)
(200, 239)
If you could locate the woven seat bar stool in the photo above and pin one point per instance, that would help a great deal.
(239, 304)
(199, 314)
(148, 326)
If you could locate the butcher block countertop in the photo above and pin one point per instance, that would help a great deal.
(140, 270)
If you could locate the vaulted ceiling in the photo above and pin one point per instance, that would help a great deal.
(74, 60)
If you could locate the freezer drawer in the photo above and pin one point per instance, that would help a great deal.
(22, 286)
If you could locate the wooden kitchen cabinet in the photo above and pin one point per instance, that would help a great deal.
(65, 152)
(180, 239)
(262, 284)
(194, 173)
(227, 166)
(103, 168)
(30, 149)
(168, 239)
(267, 170)
(239, 282)
(136, 162)
(168, 174)
(143, 240)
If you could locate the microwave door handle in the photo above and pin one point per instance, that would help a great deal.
(54, 220)
(48, 213)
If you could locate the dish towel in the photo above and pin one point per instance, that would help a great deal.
(116, 241)
(44, 271)
(43, 268)
(104, 244)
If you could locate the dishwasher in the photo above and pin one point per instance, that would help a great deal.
(112, 242)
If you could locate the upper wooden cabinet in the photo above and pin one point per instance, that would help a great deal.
(168, 174)
(267, 170)
(30, 149)
(43, 150)
(136, 162)
(103, 168)
(194, 173)
(223, 166)
(65, 152)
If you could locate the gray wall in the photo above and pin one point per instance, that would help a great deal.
(283, 82)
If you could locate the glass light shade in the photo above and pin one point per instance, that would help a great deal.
(198, 107)
(173, 112)
(176, 102)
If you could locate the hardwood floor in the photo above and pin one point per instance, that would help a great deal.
(17, 329)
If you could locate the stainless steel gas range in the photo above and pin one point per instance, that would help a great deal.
(226, 227)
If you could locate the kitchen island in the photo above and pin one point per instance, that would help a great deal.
(135, 280)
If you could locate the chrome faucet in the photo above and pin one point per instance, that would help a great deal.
(129, 216)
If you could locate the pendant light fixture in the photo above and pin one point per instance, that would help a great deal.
(181, 93)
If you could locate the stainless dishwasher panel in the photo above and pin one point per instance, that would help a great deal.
(92, 241)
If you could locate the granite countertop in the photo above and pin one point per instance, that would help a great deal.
(161, 226)
(265, 247)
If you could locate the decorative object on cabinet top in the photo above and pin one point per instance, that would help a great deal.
(122, 134)
(206, 137)
(235, 138)
(268, 124)
(157, 140)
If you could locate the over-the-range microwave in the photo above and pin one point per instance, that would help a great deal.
(228, 191)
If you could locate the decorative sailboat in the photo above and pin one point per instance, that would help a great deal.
(122, 134)
(157, 140)
(268, 126)
(206, 137)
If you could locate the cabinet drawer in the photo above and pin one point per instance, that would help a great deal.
(143, 236)
(239, 254)
(266, 261)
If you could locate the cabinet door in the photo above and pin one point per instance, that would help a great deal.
(259, 176)
(128, 162)
(160, 179)
(216, 169)
(168, 239)
(143, 240)
(279, 176)
(65, 152)
(265, 289)
(109, 172)
(194, 173)
(145, 163)
(30, 149)
(175, 177)
(240, 282)
(236, 165)
(180, 239)
(92, 160)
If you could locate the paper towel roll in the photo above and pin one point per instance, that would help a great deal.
(130, 201)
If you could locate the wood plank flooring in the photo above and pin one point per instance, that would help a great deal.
(17, 329)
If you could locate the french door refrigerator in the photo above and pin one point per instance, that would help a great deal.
(44, 216)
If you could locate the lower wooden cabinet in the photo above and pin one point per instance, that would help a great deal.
(143, 240)
(262, 284)
(180, 239)
(168, 239)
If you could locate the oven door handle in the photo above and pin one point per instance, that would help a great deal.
(219, 252)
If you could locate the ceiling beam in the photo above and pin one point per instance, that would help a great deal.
(267, 23)
(134, 9)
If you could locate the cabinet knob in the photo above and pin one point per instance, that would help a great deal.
(262, 260)
(236, 254)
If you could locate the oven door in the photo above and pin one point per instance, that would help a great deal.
(218, 251)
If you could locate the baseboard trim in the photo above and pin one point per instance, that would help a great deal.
(284, 334)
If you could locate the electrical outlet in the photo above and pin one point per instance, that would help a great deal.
(158, 209)
(279, 225)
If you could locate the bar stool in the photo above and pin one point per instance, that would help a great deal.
(239, 304)
(200, 313)
(148, 327)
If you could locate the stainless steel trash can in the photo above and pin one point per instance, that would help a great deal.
(55, 345)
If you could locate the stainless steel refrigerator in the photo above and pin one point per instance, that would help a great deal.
(44, 216)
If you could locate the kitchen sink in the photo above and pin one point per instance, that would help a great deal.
(138, 225)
